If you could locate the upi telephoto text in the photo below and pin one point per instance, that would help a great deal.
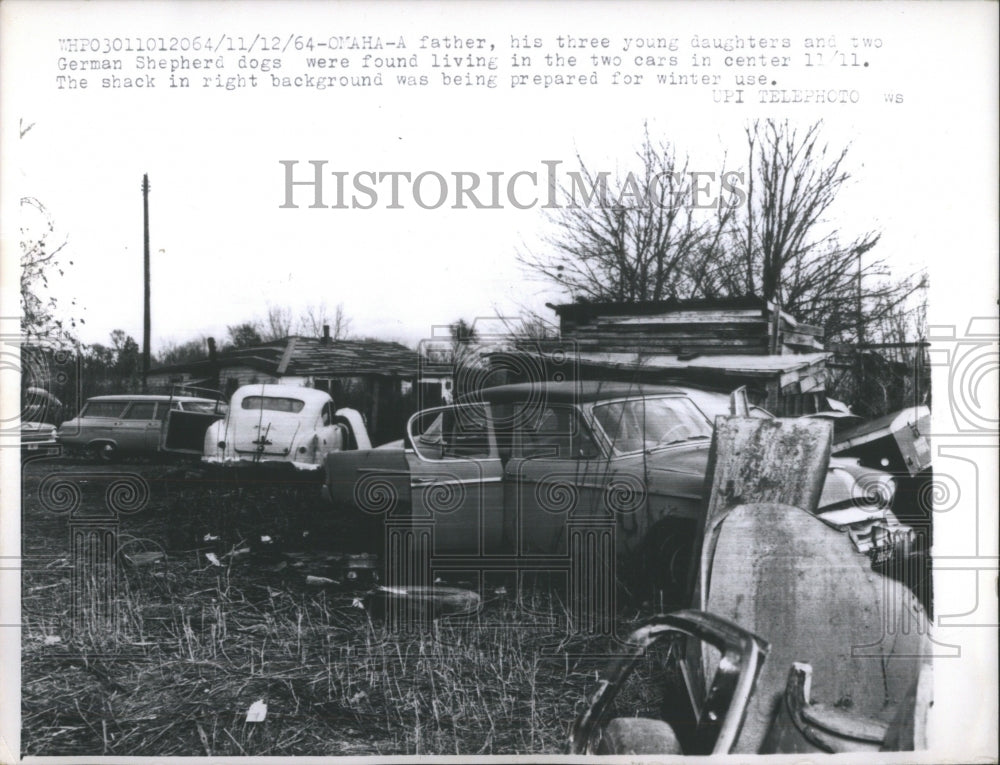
(314, 186)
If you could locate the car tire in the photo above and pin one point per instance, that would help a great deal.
(669, 552)
(638, 735)
(104, 452)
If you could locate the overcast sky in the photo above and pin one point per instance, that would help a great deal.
(223, 249)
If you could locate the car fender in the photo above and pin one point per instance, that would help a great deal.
(214, 434)
(356, 423)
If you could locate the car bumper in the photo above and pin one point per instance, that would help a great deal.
(276, 463)
(34, 446)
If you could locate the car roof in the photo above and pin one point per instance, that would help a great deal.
(572, 392)
(146, 397)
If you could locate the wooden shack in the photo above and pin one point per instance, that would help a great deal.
(712, 344)
(740, 326)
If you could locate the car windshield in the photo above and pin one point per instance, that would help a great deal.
(273, 403)
(648, 423)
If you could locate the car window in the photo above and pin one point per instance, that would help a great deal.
(273, 403)
(448, 434)
(205, 407)
(103, 409)
(141, 410)
(558, 433)
(327, 415)
(649, 423)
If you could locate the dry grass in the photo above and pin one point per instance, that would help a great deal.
(192, 645)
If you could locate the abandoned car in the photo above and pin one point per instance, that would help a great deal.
(39, 410)
(508, 474)
(116, 425)
(283, 423)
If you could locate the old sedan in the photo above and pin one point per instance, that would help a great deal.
(39, 411)
(513, 473)
(283, 423)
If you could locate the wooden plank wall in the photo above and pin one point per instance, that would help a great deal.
(692, 332)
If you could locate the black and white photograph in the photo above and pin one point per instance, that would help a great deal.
(499, 381)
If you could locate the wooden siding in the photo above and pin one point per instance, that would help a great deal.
(703, 329)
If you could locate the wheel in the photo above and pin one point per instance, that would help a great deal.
(105, 452)
(669, 553)
(638, 735)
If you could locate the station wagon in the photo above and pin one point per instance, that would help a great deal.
(109, 426)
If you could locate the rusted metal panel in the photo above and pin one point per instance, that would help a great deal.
(755, 460)
(784, 575)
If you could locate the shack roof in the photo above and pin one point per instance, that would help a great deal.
(297, 355)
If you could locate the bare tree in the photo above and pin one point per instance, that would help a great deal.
(40, 262)
(278, 323)
(315, 317)
(245, 335)
(773, 239)
(784, 248)
(172, 352)
(526, 325)
(638, 245)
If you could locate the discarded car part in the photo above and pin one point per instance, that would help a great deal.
(348, 570)
(282, 423)
(802, 725)
(785, 575)
(184, 427)
(751, 461)
(719, 713)
(898, 442)
(414, 606)
(828, 728)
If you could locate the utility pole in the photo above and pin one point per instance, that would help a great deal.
(145, 261)
(860, 320)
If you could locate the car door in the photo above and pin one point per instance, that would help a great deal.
(456, 479)
(138, 429)
(184, 424)
(556, 472)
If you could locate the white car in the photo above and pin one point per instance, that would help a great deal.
(283, 423)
